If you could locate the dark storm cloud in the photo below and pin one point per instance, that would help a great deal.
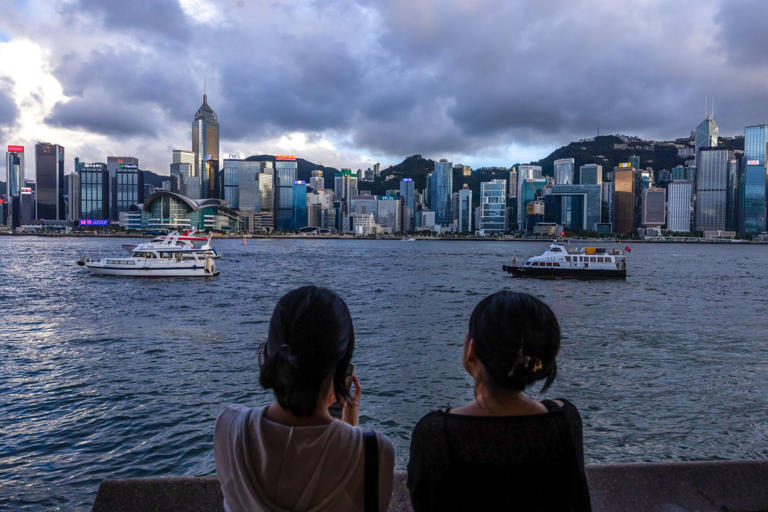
(429, 77)
(157, 17)
(104, 116)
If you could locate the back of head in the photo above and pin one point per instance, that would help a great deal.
(310, 338)
(516, 337)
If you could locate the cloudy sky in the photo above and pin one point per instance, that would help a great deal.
(347, 83)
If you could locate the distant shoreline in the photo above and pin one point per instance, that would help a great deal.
(416, 238)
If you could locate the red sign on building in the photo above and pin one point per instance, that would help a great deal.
(15, 149)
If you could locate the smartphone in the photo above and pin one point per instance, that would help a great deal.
(335, 407)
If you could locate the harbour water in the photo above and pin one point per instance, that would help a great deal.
(115, 377)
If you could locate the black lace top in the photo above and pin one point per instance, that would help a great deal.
(499, 462)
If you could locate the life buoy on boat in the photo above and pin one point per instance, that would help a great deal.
(209, 266)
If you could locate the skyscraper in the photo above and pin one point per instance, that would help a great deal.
(679, 206)
(94, 190)
(408, 204)
(634, 161)
(564, 171)
(440, 189)
(299, 219)
(493, 207)
(14, 180)
(317, 182)
(706, 133)
(711, 188)
(126, 186)
(624, 198)
(591, 174)
(512, 183)
(183, 177)
(732, 198)
(752, 184)
(49, 176)
(654, 207)
(205, 146)
(465, 210)
(525, 172)
(285, 175)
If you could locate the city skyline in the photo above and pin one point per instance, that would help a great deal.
(352, 84)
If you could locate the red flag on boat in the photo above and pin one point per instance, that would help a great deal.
(627, 249)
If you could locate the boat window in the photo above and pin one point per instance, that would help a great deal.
(555, 249)
(599, 259)
(549, 263)
(556, 264)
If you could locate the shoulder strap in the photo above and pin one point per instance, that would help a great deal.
(371, 495)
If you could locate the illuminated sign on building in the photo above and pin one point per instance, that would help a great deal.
(299, 182)
(286, 157)
(129, 166)
(15, 149)
(753, 162)
(26, 190)
(625, 164)
(94, 222)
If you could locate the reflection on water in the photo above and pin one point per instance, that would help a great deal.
(110, 377)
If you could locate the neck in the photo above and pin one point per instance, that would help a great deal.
(495, 401)
(320, 416)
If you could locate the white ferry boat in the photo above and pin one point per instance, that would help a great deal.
(573, 263)
(175, 242)
(154, 263)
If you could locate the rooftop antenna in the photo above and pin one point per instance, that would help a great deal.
(712, 114)
(205, 96)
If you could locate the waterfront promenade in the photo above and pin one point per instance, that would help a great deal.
(712, 486)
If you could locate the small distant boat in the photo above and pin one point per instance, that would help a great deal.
(408, 239)
(559, 262)
(245, 241)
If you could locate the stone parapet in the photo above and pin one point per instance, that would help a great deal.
(655, 487)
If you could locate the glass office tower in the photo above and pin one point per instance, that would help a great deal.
(564, 171)
(493, 207)
(752, 183)
(624, 199)
(299, 210)
(711, 188)
(440, 189)
(408, 204)
(465, 210)
(49, 176)
(94, 190)
(285, 174)
(205, 146)
(591, 174)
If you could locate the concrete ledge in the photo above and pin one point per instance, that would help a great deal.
(714, 486)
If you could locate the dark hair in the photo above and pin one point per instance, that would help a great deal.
(310, 338)
(516, 337)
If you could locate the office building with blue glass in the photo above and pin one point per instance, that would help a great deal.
(711, 188)
(752, 182)
(440, 189)
(94, 190)
(575, 207)
(465, 210)
(285, 175)
(299, 210)
(408, 204)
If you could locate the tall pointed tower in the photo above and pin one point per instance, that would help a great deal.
(205, 146)
(706, 132)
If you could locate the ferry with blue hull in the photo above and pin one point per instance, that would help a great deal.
(559, 262)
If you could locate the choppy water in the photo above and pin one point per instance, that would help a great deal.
(115, 377)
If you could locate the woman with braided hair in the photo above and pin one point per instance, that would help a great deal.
(504, 450)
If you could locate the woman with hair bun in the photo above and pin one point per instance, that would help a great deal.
(504, 450)
(292, 455)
